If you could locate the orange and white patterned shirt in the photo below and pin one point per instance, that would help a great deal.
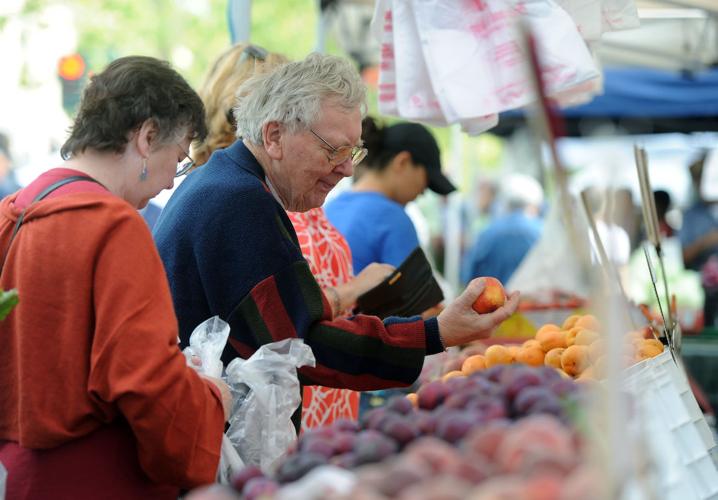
(330, 261)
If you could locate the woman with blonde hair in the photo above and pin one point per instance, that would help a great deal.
(322, 245)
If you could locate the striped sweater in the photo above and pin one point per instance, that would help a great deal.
(230, 250)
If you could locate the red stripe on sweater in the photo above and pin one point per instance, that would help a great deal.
(321, 375)
(268, 300)
(242, 349)
(396, 334)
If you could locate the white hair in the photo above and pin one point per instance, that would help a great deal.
(520, 190)
(294, 92)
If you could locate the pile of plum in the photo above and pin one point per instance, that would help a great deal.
(509, 419)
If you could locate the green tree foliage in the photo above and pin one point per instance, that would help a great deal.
(109, 29)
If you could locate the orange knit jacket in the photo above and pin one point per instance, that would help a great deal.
(94, 339)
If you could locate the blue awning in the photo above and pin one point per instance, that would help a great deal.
(641, 92)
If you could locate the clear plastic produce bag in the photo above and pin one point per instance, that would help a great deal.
(207, 343)
(266, 394)
(3, 481)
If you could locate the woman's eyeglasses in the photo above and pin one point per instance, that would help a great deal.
(185, 165)
(341, 154)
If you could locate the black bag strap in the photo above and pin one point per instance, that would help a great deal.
(44, 193)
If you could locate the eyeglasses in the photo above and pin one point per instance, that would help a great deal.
(185, 165)
(341, 154)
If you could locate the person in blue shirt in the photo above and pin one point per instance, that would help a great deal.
(403, 161)
(699, 241)
(8, 181)
(501, 247)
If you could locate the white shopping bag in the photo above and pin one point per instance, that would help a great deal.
(382, 27)
(619, 15)
(587, 16)
(476, 58)
(415, 95)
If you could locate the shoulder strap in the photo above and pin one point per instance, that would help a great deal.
(44, 193)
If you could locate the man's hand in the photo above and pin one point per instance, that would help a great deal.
(459, 324)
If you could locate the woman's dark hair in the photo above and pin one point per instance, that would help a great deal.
(128, 92)
(377, 157)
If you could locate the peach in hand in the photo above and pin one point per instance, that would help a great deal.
(491, 298)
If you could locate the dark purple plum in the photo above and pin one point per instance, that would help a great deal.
(374, 418)
(401, 429)
(432, 395)
(344, 441)
(520, 378)
(400, 405)
(453, 426)
(239, 480)
(318, 445)
(345, 424)
(425, 422)
(296, 466)
(259, 487)
(372, 446)
(528, 397)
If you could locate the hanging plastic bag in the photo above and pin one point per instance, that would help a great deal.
(619, 15)
(206, 343)
(475, 55)
(3, 481)
(382, 26)
(553, 263)
(415, 95)
(266, 390)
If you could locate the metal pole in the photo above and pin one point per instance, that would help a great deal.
(239, 19)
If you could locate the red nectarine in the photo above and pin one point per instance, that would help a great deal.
(491, 298)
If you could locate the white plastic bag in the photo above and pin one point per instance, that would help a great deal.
(619, 15)
(207, 342)
(383, 28)
(475, 55)
(415, 96)
(553, 263)
(266, 390)
(3, 481)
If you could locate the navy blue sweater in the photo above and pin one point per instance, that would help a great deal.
(230, 250)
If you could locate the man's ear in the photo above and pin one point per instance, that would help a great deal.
(272, 139)
(145, 137)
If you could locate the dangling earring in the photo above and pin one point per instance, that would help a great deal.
(143, 174)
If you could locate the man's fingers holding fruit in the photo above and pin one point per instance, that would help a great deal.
(475, 313)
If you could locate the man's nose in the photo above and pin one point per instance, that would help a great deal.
(345, 168)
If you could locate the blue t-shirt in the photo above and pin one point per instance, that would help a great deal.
(499, 250)
(376, 228)
(698, 221)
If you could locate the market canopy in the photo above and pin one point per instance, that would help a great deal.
(643, 92)
(641, 101)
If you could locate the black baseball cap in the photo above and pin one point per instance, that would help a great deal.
(417, 140)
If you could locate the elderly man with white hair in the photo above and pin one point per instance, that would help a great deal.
(229, 248)
(501, 247)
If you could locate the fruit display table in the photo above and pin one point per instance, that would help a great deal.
(512, 421)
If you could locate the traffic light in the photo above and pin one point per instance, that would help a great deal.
(71, 70)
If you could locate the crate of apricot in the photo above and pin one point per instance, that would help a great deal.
(576, 348)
